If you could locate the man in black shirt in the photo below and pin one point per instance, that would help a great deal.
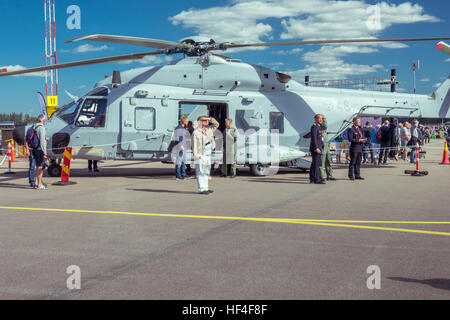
(316, 149)
(356, 137)
(385, 142)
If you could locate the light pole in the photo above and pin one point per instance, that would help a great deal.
(415, 66)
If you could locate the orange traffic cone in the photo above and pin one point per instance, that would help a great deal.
(9, 154)
(13, 151)
(445, 159)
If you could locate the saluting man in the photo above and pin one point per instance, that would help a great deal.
(356, 137)
(326, 171)
(316, 149)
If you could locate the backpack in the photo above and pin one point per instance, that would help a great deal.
(32, 138)
(378, 137)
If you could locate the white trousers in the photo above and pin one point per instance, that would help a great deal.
(202, 171)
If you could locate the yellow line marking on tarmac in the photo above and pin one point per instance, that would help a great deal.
(376, 222)
(327, 223)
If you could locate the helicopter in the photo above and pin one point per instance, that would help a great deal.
(131, 115)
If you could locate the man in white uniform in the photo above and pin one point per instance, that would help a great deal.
(202, 145)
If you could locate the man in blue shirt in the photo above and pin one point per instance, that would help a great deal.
(180, 136)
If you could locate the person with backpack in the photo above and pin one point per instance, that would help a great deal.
(385, 138)
(38, 145)
(376, 142)
(29, 154)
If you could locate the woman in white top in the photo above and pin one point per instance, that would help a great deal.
(405, 135)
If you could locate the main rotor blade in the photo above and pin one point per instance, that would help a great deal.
(289, 43)
(143, 42)
(133, 56)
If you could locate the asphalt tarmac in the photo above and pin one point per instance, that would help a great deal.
(137, 233)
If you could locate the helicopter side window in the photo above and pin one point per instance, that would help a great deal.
(92, 114)
(145, 119)
(277, 122)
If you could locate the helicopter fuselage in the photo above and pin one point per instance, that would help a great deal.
(135, 119)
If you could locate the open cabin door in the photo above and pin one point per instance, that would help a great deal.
(147, 124)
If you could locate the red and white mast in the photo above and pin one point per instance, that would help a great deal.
(50, 47)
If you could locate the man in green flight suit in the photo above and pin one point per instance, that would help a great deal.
(325, 169)
(230, 136)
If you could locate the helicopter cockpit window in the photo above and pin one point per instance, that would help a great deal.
(93, 113)
(277, 122)
(69, 112)
(99, 92)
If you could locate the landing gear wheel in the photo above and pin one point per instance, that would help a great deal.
(54, 170)
(261, 170)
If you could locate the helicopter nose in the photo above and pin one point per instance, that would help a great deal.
(19, 134)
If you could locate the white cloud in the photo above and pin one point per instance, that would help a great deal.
(437, 85)
(425, 80)
(246, 21)
(448, 60)
(333, 70)
(86, 48)
(349, 18)
(289, 52)
(147, 60)
(89, 48)
(19, 67)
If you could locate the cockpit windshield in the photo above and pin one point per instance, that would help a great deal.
(92, 113)
(69, 112)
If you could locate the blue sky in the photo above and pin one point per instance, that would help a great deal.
(226, 20)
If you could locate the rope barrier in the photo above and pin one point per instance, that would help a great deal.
(161, 135)
(4, 158)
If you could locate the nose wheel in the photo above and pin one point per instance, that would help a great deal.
(261, 170)
(54, 170)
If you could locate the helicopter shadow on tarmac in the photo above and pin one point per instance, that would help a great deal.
(443, 284)
(281, 180)
(5, 181)
(344, 166)
(162, 191)
(131, 173)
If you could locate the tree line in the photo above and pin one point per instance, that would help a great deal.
(17, 118)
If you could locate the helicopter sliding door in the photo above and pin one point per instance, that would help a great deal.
(147, 125)
(193, 110)
(217, 110)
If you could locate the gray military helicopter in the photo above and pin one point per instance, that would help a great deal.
(131, 115)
